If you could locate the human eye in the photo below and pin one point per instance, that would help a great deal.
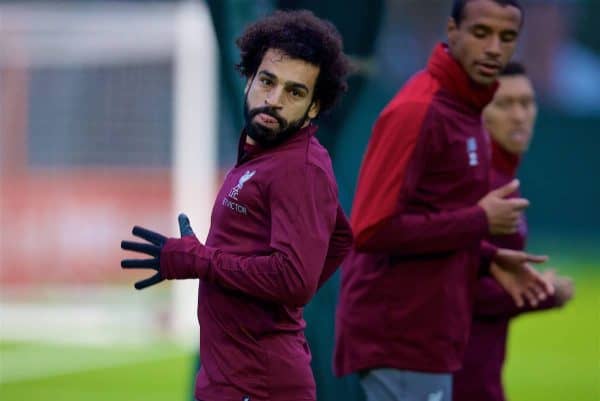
(296, 93)
(266, 81)
(527, 102)
(508, 37)
(479, 32)
(502, 103)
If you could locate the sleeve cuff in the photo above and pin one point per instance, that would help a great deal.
(480, 220)
(184, 258)
(487, 253)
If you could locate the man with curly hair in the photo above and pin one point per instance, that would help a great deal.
(277, 231)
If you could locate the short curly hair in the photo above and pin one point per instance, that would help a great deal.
(300, 35)
(458, 8)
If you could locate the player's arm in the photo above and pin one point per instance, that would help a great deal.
(408, 234)
(514, 271)
(493, 301)
(303, 213)
(339, 245)
(401, 144)
(487, 252)
(402, 140)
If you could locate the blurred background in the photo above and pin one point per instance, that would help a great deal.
(126, 112)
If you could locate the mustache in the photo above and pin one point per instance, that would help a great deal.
(268, 110)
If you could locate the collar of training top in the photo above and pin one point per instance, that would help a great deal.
(503, 160)
(455, 79)
(246, 153)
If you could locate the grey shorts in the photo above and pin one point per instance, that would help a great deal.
(406, 385)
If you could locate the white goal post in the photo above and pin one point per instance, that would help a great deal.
(62, 35)
(195, 159)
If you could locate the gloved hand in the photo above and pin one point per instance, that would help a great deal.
(153, 248)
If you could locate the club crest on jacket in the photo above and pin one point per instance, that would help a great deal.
(243, 179)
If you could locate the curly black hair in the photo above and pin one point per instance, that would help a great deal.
(300, 35)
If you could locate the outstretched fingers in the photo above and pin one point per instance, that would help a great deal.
(140, 285)
(150, 236)
(140, 264)
(149, 249)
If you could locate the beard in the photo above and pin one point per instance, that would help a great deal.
(269, 137)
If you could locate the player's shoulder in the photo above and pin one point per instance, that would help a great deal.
(415, 98)
(318, 157)
(310, 159)
(309, 168)
(302, 156)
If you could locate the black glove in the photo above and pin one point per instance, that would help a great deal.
(153, 248)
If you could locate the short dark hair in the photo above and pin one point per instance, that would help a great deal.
(513, 68)
(300, 35)
(458, 8)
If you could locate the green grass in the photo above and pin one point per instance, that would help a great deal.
(42, 372)
(555, 355)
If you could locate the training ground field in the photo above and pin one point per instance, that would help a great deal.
(554, 356)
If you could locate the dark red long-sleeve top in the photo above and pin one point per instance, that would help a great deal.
(407, 288)
(277, 233)
(480, 378)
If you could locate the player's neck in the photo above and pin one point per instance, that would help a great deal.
(503, 160)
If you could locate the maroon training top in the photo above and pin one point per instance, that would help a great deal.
(480, 378)
(277, 233)
(407, 287)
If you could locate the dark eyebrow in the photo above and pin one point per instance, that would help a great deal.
(510, 31)
(481, 26)
(289, 84)
(297, 85)
(488, 29)
(268, 74)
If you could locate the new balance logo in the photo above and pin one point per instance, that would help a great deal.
(472, 151)
(436, 396)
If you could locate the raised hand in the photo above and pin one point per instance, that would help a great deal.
(152, 247)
